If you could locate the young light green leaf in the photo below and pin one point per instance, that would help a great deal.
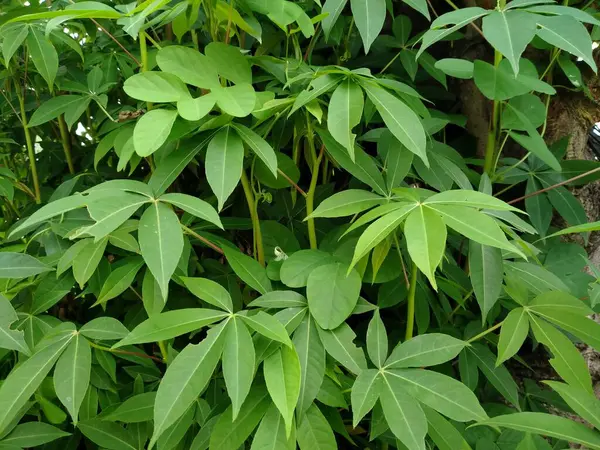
(189, 65)
(426, 240)
(440, 392)
(512, 335)
(31, 434)
(161, 242)
(104, 329)
(314, 432)
(209, 291)
(152, 130)
(223, 165)
(107, 435)
(185, 379)
(425, 350)
(87, 260)
(259, 146)
(72, 375)
(403, 413)
(339, 343)
(170, 324)
(369, 16)
(296, 269)
(400, 119)
(347, 203)
(345, 109)
(268, 326)
(377, 340)
(248, 269)
(547, 425)
(365, 391)
(332, 293)
(193, 109)
(44, 56)
(457, 68)
(311, 354)
(120, 279)
(237, 101)
(229, 62)
(282, 375)
(239, 361)
(485, 264)
(155, 87)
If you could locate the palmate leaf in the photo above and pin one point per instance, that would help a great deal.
(345, 108)
(10, 339)
(425, 350)
(311, 354)
(513, 333)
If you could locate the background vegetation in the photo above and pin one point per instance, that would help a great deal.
(266, 224)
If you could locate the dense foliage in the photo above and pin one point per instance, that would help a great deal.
(262, 224)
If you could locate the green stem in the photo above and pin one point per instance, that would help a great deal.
(259, 250)
(310, 200)
(66, 142)
(163, 351)
(483, 333)
(410, 313)
(144, 58)
(490, 149)
(30, 148)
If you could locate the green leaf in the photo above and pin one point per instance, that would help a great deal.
(403, 413)
(223, 165)
(332, 293)
(556, 302)
(22, 382)
(443, 433)
(259, 146)
(53, 108)
(111, 211)
(345, 108)
(314, 432)
(537, 279)
(237, 101)
(582, 327)
(248, 269)
(107, 435)
(333, 9)
(509, 32)
(363, 167)
(43, 55)
(120, 279)
(280, 299)
(20, 265)
(425, 350)
(209, 291)
(567, 360)
(271, 433)
(72, 375)
(400, 119)
(498, 376)
(339, 343)
(151, 295)
(567, 33)
(194, 206)
(547, 425)
(457, 68)
(185, 378)
(161, 242)
(156, 87)
(296, 269)
(138, 408)
(311, 354)
(583, 228)
(152, 130)
(10, 339)
(49, 292)
(73, 113)
(170, 324)
(13, 36)
(268, 326)
(377, 340)
(512, 335)
(176, 432)
(346, 203)
(425, 234)
(104, 329)
(397, 159)
(239, 362)
(529, 104)
(369, 16)
(379, 230)
(486, 270)
(365, 392)
(474, 199)
(475, 225)
(87, 260)
(317, 87)
(229, 62)
(581, 401)
(227, 433)
(32, 434)
(191, 66)
(282, 375)
(196, 108)
(420, 6)
(567, 205)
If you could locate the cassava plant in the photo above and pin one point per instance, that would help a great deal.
(263, 224)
